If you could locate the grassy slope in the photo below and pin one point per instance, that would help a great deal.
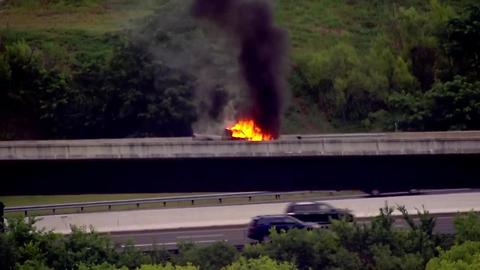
(313, 25)
(316, 25)
(93, 16)
(12, 201)
(71, 32)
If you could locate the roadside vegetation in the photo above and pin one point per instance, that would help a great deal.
(116, 68)
(375, 246)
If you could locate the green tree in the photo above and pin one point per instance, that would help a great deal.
(131, 257)
(103, 266)
(144, 97)
(167, 266)
(467, 227)
(384, 259)
(262, 263)
(210, 257)
(33, 265)
(463, 44)
(342, 85)
(21, 231)
(465, 256)
(317, 249)
(20, 74)
(8, 255)
(454, 105)
(381, 246)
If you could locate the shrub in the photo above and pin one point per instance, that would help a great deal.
(212, 257)
(33, 265)
(467, 227)
(168, 266)
(262, 263)
(103, 266)
(317, 249)
(465, 256)
(8, 255)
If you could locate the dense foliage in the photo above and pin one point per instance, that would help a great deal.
(420, 74)
(388, 65)
(465, 256)
(126, 95)
(376, 246)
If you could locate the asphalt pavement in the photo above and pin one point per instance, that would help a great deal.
(234, 235)
(231, 215)
(152, 228)
(168, 239)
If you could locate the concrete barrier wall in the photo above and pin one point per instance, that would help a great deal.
(436, 143)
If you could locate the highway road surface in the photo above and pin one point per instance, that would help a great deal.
(228, 222)
(228, 215)
(168, 239)
(235, 235)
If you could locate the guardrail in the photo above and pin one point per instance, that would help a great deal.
(218, 197)
(161, 200)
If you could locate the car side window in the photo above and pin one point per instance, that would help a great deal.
(323, 207)
(289, 220)
(305, 208)
(264, 221)
(278, 220)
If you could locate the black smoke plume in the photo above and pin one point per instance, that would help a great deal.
(263, 54)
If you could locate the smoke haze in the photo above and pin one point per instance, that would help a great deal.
(262, 56)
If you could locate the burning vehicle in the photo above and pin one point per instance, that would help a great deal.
(263, 63)
(247, 130)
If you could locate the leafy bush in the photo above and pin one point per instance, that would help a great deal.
(129, 95)
(465, 256)
(463, 44)
(103, 266)
(262, 263)
(450, 105)
(211, 257)
(33, 265)
(8, 255)
(168, 266)
(317, 249)
(347, 245)
(131, 257)
(467, 227)
(356, 246)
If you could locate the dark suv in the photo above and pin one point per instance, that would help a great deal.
(318, 212)
(259, 227)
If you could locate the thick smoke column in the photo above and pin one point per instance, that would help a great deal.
(263, 54)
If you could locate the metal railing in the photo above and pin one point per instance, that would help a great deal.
(192, 199)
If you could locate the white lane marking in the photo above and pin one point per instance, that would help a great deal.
(160, 232)
(452, 217)
(174, 243)
(199, 236)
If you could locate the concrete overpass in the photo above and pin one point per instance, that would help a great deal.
(379, 144)
(384, 161)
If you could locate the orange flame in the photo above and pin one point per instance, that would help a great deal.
(247, 130)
